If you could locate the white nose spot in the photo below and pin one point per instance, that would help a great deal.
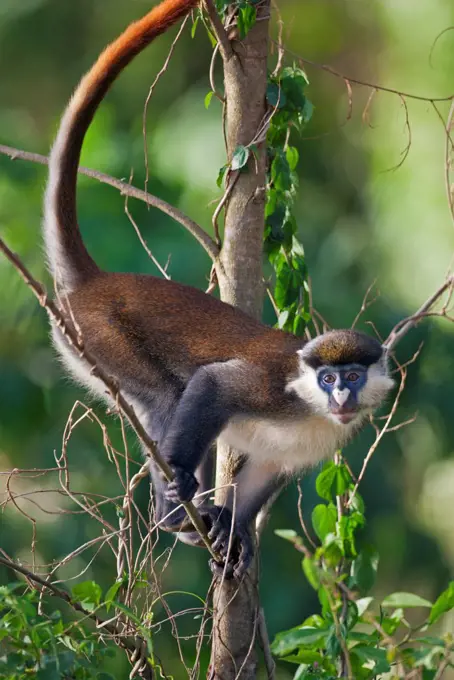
(341, 396)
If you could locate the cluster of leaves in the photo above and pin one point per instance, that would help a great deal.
(245, 10)
(291, 111)
(34, 645)
(354, 634)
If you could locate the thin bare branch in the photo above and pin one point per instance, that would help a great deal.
(404, 153)
(211, 75)
(365, 83)
(379, 436)
(126, 189)
(265, 645)
(434, 44)
(366, 303)
(366, 115)
(280, 41)
(402, 328)
(142, 240)
(348, 85)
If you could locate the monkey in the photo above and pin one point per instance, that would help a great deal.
(193, 367)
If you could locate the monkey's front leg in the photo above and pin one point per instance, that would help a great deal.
(201, 414)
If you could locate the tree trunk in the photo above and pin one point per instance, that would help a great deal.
(236, 607)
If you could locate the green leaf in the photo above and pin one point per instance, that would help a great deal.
(292, 155)
(311, 572)
(208, 98)
(111, 593)
(221, 175)
(300, 323)
(276, 96)
(194, 26)
(391, 623)
(346, 530)
(364, 569)
(363, 603)
(246, 19)
(288, 535)
(211, 37)
(293, 81)
(286, 287)
(283, 318)
(333, 480)
(405, 600)
(276, 221)
(88, 593)
(308, 110)
(324, 519)
(280, 173)
(443, 604)
(286, 642)
(325, 481)
(240, 157)
(375, 654)
(306, 656)
(130, 614)
(342, 480)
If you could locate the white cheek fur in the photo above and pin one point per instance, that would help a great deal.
(307, 388)
(376, 388)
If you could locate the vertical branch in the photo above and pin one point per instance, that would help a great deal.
(236, 606)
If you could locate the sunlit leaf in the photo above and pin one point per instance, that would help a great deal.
(288, 641)
(405, 600)
(240, 157)
(324, 520)
(208, 98)
(443, 604)
(88, 593)
(311, 572)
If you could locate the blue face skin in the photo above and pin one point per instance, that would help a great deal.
(351, 377)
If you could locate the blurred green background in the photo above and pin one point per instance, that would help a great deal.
(359, 221)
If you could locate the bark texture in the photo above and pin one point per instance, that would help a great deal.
(236, 606)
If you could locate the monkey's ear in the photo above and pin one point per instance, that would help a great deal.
(308, 348)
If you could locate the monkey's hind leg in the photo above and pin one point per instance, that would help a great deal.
(170, 516)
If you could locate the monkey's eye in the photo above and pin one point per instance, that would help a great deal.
(329, 379)
(352, 377)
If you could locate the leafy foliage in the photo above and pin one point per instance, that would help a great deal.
(34, 645)
(353, 633)
(246, 13)
(291, 111)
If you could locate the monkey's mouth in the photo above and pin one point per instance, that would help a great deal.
(344, 415)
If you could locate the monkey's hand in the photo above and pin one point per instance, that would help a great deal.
(183, 486)
(235, 546)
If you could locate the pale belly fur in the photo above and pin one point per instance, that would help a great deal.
(292, 445)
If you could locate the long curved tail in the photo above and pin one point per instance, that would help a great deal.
(68, 260)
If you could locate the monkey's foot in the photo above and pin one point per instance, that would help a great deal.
(236, 550)
(183, 486)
